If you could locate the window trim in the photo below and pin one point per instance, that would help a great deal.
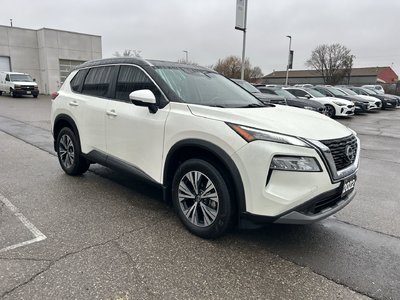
(112, 91)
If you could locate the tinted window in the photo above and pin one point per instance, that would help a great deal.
(131, 79)
(298, 93)
(76, 82)
(97, 82)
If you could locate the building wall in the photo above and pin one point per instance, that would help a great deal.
(38, 52)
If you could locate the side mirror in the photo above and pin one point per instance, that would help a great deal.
(307, 96)
(144, 98)
(34, 79)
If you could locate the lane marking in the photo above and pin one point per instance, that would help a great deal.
(38, 236)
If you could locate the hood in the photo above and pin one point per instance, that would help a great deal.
(280, 119)
(32, 83)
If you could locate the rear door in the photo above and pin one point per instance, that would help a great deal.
(134, 135)
(92, 103)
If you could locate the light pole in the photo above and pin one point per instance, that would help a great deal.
(287, 67)
(187, 55)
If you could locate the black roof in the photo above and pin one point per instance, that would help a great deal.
(138, 61)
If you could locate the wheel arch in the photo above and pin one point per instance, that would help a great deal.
(62, 121)
(195, 148)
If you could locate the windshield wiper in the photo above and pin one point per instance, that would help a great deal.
(254, 105)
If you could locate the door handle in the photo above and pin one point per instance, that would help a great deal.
(73, 103)
(111, 113)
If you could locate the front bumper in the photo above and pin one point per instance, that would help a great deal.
(345, 110)
(311, 211)
(23, 91)
(288, 196)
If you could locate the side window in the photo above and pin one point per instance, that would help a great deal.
(132, 79)
(7, 77)
(97, 82)
(298, 93)
(77, 81)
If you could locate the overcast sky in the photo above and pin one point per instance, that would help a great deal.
(162, 29)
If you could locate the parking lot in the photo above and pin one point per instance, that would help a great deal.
(109, 236)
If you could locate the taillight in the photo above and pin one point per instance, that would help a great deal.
(54, 95)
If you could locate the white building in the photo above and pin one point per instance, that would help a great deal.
(46, 54)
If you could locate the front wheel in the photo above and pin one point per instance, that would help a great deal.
(201, 198)
(12, 94)
(330, 111)
(69, 153)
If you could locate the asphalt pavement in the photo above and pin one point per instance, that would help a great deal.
(107, 235)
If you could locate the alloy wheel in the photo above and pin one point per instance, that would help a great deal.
(66, 151)
(198, 199)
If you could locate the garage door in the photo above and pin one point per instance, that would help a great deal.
(4, 64)
(66, 65)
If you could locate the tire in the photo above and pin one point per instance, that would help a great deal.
(330, 111)
(12, 93)
(204, 216)
(35, 96)
(69, 153)
(1, 93)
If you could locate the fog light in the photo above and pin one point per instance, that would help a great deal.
(295, 163)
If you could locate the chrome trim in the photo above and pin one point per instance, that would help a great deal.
(326, 156)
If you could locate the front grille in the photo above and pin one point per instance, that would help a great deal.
(27, 88)
(343, 151)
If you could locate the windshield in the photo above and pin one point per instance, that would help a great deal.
(349, 91)
(21, 77)
(336, 92)
(205, 87)
(370, 92)
(314, 93)
(244, 84)
(284, 93)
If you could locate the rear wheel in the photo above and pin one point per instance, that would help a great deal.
(330, 111)
(69, 153)
(201, 198)
(1, 93)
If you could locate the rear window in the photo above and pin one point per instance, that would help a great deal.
(98, 81)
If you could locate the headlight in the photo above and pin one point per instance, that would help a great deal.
(339, 103)
(17, 86)
(251, 134)
(310, 108)
(294, 163)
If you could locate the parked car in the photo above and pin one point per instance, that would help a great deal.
(361, 105)
(334, 106)
(18, 84)
(263, 97)
(292, 100)
(374, 103)
(375, 87)
(387, 100)
(219, 154)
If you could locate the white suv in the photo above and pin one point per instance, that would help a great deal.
(220, 155)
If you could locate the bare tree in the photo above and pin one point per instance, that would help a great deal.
(128, 53)
(334, 62)
(231, 68)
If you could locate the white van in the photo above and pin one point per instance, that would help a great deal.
(18, 84)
